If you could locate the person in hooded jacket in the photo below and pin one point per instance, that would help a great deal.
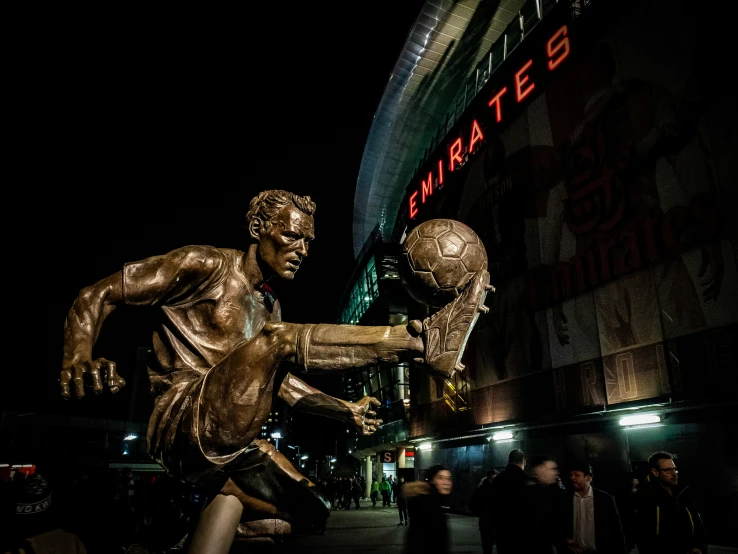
(666, 518)
(427, 504)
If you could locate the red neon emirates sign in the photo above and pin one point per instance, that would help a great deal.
(557, 50)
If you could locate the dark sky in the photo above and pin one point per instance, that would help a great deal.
(149, 130)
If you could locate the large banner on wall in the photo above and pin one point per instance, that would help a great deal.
(603, 210)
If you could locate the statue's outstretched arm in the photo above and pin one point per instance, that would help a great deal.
(81, 329)
(302, 396)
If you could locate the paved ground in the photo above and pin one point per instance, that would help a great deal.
(375, 530)
(369, 530)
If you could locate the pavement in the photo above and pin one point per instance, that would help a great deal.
(371, 530)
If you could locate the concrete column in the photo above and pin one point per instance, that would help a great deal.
(400, 458)
(368, 474)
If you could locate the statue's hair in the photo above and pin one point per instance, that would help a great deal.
(267, 204)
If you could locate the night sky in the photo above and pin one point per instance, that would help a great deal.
(145, 131)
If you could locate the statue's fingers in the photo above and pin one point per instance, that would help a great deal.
(374, 401)
(115, 382)
(79, 381)
(371, 413)
(96, 381)
(64, 379)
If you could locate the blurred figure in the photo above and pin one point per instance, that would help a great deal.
(331, 488)
(508, 505)
(427, 503)
(401, 502)
(374, 493)
(591, 520)
(480, 505)
(355, 492)
(667, 520)
(384, 489)
(625, 500)
(362, 484)
(544, 500)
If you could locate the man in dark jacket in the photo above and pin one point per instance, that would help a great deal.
(591, 520)
(508, 506)
(667, 520)
(543, 500)
(480, 505)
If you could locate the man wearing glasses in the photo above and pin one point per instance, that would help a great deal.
(666, 519)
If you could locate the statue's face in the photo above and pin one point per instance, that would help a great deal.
(284, 242)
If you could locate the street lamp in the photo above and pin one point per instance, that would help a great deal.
(295, 448)
(276, 436)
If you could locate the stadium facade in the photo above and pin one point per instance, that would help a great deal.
(590, 144)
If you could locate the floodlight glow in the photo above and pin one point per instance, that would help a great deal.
(304, 457)
(502, 435)
(131, 437)
(641, 419)
(276, 435)
(425, 445)
(333, 460)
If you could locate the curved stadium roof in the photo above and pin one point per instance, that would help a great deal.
(447, 41)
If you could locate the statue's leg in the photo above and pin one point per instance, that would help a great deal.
(264, 497)
(438, 342)
(235, 397)
(272, 489)
(216, 528)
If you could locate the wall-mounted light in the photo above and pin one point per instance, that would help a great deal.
(427, 445)
(502, 435)
(639, 419)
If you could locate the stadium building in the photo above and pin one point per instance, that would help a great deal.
(590, 144)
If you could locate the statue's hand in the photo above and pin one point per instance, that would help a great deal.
(98, 370)
(363, 415)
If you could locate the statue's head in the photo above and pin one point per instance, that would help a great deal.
(281, 224)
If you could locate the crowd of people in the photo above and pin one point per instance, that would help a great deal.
(345, 492)
(535, 511)
(528, 507)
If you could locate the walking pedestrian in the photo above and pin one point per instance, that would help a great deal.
(384, 489)
(667, 519)
(480, 505)
(508, 504)
(401, 501)
(591, 520)
(544, 499)
(427, 503)
(374, 493)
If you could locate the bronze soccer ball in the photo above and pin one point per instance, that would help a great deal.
(439, 258)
